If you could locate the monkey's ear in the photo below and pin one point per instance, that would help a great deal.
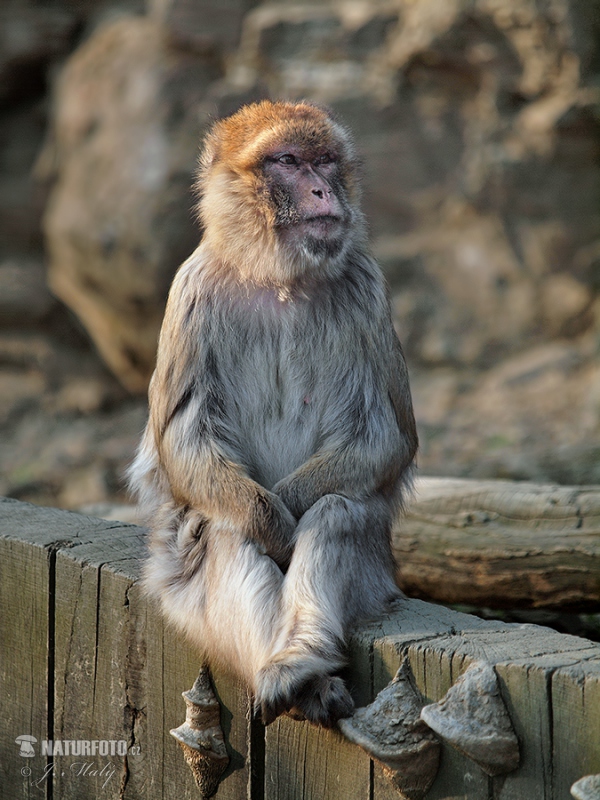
(207, 158)
(207, 155)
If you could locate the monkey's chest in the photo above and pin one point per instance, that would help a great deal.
(276, 409)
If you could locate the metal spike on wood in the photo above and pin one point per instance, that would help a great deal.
(473, 718)
(201, 736)
(587, 788)
(391, 732)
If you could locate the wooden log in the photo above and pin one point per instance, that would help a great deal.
(90, 659)
(501, 544)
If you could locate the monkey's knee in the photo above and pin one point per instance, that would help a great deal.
(334, 512)
(331, 516)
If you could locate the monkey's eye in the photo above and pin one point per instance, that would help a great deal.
(288, 159)
(325, 158)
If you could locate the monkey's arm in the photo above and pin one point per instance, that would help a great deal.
(399, 393)
(365, 459)
(205, 478)
(187, 431)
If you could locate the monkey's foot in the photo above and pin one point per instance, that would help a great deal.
(276, 685)
(322, 699)
(296, 714)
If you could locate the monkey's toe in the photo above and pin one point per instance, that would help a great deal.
(295, 713)
(323, 700)
(269, 711)
(275, 687)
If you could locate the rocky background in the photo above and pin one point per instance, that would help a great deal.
(479, 128)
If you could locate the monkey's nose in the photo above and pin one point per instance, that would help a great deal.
(321, 194)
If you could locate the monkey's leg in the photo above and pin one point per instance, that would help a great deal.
(218, 588)
(341, 570)
(243, 605)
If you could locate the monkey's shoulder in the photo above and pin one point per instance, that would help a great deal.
(348, 310)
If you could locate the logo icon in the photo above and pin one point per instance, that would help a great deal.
(26, 744)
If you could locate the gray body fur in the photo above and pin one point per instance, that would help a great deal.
(279, 445)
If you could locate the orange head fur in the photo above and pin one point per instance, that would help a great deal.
(236, 209)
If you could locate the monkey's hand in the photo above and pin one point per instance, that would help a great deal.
(209, 479)
(273, 527)
(326, 473)
(353, 473)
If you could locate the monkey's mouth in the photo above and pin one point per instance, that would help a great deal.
(323, 223)
(323, 218)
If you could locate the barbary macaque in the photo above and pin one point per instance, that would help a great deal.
(281, 435)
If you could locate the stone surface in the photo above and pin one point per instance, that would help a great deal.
(127, 125)
(478, 128)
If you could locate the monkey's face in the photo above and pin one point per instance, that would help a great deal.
(309, 201)
(280, 195)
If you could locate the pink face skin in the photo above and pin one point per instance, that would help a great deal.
(307, 193)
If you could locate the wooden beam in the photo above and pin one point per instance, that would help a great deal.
(119, 672)
(118, 669)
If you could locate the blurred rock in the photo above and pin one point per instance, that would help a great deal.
(535, 416)
(80, 396)
(119, 512)
(69, 458)
(83, 486)
(478, 127)
(24, 295)
(27, 351)
(35, 37)
(31, 37)
(203, 25)
(321, 51)
(119, 220)
(19, 389)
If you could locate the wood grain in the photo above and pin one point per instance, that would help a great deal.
(501, 544)
(71, 600)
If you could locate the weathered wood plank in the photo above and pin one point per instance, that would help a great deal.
(576, 709)
(29, 539)
(306, 763)
(501, 544)
(92, 658)
(120, 672)
(244, 737)
(24, 634)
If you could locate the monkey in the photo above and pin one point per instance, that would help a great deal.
(281, 438)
